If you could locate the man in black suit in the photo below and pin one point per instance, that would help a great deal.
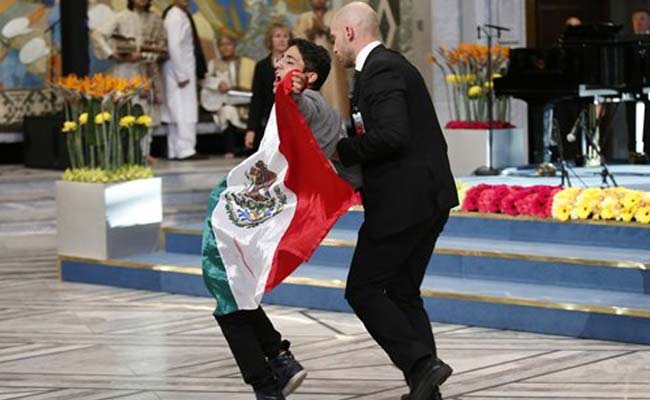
(408, 190)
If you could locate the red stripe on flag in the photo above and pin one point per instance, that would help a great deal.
(322, 196)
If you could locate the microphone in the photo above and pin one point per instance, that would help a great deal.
(478, 31)
(497, 27)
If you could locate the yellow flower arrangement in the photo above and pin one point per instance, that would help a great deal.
(464, 68)
(112, 141)
(99, 175)
(612, 204)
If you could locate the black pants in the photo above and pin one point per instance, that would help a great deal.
(233, 139)
(253, 341)
(630, 113)
(383, 289)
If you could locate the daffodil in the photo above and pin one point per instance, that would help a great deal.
(102, 118)
(144, 120)
(127, 121)
(83, 119)
(474, 91)
(69, 126)
(452, 79)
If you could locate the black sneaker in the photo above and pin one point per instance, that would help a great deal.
(269, 394)
(427, 377)
(288, 371)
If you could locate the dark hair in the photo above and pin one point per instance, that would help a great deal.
(268, 37)
(130, 5)
(226, 36)
(316, 58)
(641, 10)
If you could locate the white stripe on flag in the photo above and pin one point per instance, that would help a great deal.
(249, 256)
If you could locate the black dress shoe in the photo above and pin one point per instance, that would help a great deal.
(426, 377)
(436, 396)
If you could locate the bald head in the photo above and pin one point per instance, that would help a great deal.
(362, 17)
(353, 27)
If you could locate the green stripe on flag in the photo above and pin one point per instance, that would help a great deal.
(214, 272)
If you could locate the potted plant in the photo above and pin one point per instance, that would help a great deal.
(108, 203)
(468, 88)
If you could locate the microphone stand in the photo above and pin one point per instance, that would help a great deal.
(487, 30)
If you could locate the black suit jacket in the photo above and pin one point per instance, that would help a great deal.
(403, 154)
(263, 98)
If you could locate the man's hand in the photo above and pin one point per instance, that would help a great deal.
(223, 87)
(184, 83)
(249, 139)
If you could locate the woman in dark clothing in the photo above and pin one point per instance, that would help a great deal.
(276, 40)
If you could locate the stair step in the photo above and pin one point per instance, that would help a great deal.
(565, 265)
(587, 313)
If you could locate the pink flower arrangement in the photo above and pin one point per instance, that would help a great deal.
(478, 125)
(534, 201)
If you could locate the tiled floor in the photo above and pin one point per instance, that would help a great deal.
(72, 341)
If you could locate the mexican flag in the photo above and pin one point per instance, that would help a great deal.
(271, 212)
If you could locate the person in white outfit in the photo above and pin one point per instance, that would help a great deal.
(180, 71)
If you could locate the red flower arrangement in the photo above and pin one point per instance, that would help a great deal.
(534, 201)
(478, 125)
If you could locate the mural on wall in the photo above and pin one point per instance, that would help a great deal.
(244, 19)
(29, 43)
(30, 40)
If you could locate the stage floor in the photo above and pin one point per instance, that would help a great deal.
(630, 176)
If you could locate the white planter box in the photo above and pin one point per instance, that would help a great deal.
(468, 149)
(104, 221)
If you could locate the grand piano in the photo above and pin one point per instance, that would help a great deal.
(586, 59)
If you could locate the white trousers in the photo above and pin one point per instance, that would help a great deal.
(181, 139)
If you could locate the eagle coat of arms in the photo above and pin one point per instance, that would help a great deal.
(257, 203)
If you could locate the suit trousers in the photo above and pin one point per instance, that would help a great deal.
(630, 114)
(253, 341)
(181, 139)
(383, 288)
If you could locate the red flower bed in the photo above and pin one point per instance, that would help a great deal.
(534, 201)
(478, 125)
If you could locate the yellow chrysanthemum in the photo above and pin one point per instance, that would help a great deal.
(626, 215)
(489, 85)
(561, 211)
(127, 121)
(642, 215)
(83, 119)
(144, 120)
(632, 199)
(69, 126)
(497, 75)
